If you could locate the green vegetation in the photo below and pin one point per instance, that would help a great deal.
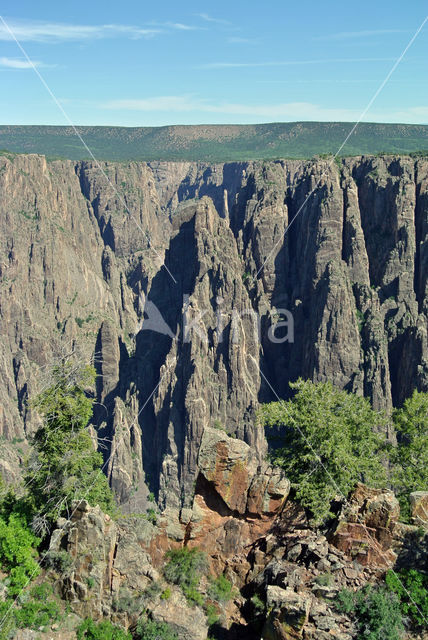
(329, 444)
(184, 568)
(166, 594)
(217, 143)
(258, 605)
(361, 319)
(411, 455)
(324, 579)
(411, 587)
(59, 561)
(17, 553)
(212, 614)
(65, 464)
(105, 630)
(376, 612)
(35, 608)
(220, 589)
(152, 630)
(152, 516)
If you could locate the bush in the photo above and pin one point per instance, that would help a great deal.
(324, 579)
(151, 516)
(105, 630)
(220, 589)
(376, 612)
(129, 602)
(152, 630)
(330, 443)
(411, 587)
(59, 561)
(212, 614)
(184, 568)
(258, 605)
(37, 608)
(151, 592)
(18, 552)
(34, 609)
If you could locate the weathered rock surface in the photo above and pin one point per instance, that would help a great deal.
(419, 507)
(366, 527)
(85, 254)
(264, 547)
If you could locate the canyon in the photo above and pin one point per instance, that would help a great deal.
(113, 259)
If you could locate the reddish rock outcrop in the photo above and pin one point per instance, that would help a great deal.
(366, 526)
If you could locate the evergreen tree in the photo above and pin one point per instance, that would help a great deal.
(411, 454)
(65, 465)
(331, 440)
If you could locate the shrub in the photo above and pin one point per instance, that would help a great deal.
(59, 561)
(329, 444)
(220, 589)
(34, 609)
(184, 568)
(18, 553)
(37, 608)
(345, 601)
(152, 630)
(151, 516)
(258, 605)
(129, 602)
(324, 580)
(212, 614)
(376, 612)
(411, 587)
(90, 581)
(166, 594)
(105, 630)
(152, 591)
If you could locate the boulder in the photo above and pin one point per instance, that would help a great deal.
(288, 613)
(366, 526)
(233, 470)
(419, 507)
(187, 621)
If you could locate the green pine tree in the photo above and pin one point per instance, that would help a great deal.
(65, 465)
(332, 440)
(411, 455)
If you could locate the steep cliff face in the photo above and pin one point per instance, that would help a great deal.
(174, 276)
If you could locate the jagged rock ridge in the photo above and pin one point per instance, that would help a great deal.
(86, 255)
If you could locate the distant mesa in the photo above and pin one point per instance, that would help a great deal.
(216, 143)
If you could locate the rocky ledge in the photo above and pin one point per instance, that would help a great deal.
(251, 532)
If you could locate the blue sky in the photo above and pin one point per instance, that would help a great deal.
(136, 63)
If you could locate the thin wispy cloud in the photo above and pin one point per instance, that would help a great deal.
(287, 111)
(368, 33)
(36, 31)
(19, 63)
(288, 63)
(238, 40)
(182, 27)
(176, 26)
(208, 18)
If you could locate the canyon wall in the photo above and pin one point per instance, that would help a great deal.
(174, 277)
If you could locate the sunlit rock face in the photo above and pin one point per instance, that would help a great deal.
(219, 253)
